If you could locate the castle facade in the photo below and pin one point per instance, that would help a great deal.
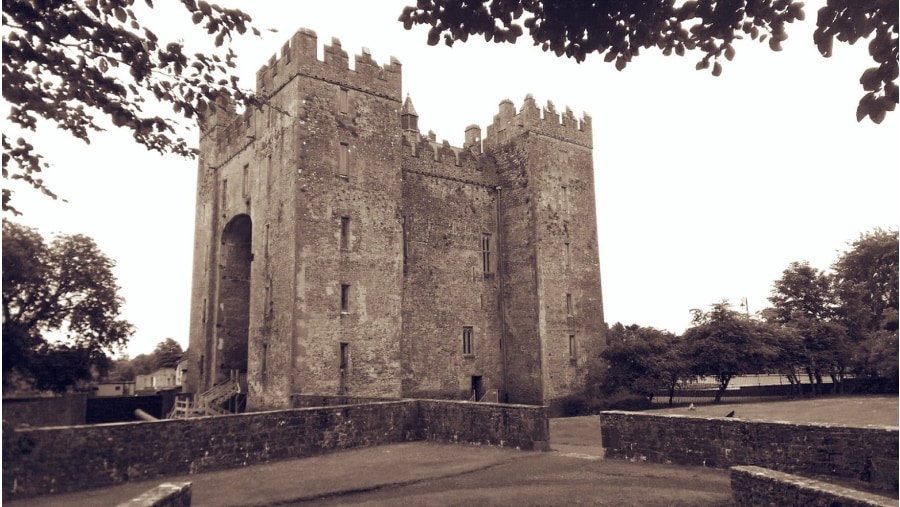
(339, 251)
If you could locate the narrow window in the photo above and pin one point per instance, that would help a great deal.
(268, 174)
(224, 195)
(486, 253)
(467, 341)
(405, 233)
(343, 101)
(345, 298)
(245, 180)
(345, 356)
(567, 255)
(569, 304)
(572, 347)
(565, 199)
(202, 363)
(345, 233)
(266, 244)
(343, 160)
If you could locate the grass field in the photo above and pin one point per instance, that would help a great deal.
(849, 410)
(582, 434)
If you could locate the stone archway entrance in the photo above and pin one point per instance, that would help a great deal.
(233, 297)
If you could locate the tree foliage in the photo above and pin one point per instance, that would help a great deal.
(64, 289)
(620, 30)
(723, 343)
(849, 21)
(803, 303)
(69, 62)
(167, 353)
(867, 284)
(641, 360)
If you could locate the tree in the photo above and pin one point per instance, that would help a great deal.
(620, 30)
(167, 353)
(642, 361)
(867, 284)
(68, 61)
(804, 304)
(723, 343)
(65, 290)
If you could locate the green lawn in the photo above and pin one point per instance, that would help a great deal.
(849, 410)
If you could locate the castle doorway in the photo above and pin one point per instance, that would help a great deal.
(477, 387)
(233, 309)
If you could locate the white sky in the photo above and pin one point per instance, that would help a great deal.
(707, 188)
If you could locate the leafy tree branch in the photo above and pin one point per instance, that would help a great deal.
(74, 62)
(620, 30)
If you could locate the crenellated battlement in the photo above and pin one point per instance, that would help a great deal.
(425, 155)
(298, 56)
(508, 124)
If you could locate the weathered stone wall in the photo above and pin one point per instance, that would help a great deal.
(553, 309)
(521, 426)
(520, 305)
(42, 461)
(312, 400)
(447, 211)
(56, 411)
(867, 454)
(362, 188)
(322, 150)
(753, 486)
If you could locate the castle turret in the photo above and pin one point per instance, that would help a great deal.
(473, 138)
(409, 119)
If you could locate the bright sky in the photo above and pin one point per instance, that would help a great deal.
(707, 188)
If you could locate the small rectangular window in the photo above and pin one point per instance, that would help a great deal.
(344, 160)
(224, 196)
(569, 304)
(345, 233)
(345, 298)
(486, 253)
(565, 199)
(345, 356)
(567, 255)
(572, 347)
(468, 349)
(343, 101)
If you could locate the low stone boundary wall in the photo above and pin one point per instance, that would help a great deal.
(864, 454)
(521, 426)
(42, 461)
(67, 410)
(313, 400)
(165, 495)
(752, 486)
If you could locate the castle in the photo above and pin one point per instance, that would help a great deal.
(338, 251)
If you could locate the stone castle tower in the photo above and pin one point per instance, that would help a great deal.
(340, 251)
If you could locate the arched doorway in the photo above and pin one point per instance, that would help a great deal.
(233, 309)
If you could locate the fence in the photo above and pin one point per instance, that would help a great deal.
(746, 388)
